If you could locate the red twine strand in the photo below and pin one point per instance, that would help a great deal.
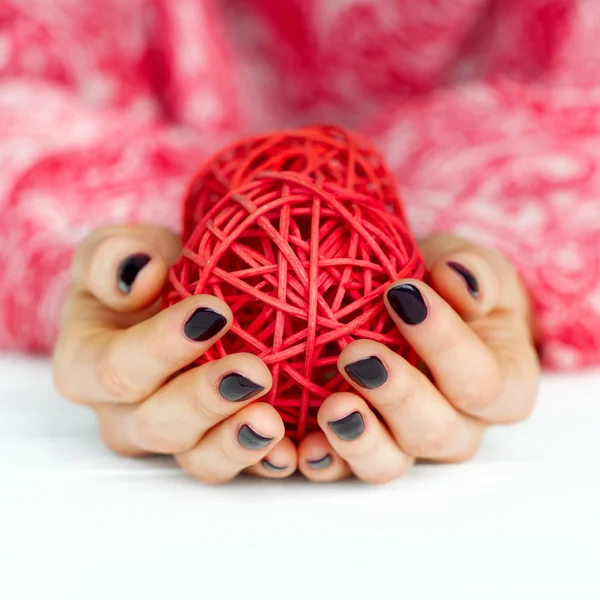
(300, 233)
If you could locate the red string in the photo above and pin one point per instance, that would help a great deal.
(300, 232)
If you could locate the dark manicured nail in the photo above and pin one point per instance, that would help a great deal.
(236, 387)
(249, 439)
(368, 372)
(204, 324)
(407, 302)
(349, 428)
(269, 466)
(320, 463)
(129, 269)
(469, 278)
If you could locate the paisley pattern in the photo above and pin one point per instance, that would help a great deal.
(488, 111)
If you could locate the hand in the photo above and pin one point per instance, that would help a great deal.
(121, 356)
(473, 330)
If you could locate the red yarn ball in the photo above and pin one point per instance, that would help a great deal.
(300, 233)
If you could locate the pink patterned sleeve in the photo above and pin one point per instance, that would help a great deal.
(65, 170)
(513, 162)
(85, 139)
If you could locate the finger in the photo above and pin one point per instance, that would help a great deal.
(467, 283)
(128, 366)
(181, 412)
(279, 463)
(474, 280)
(423, 423)
(463, 367)
(125, 267)
(111, 433)
(239, 442)
(318, 461)
(466, 369)
(360, 438)
(485, 290)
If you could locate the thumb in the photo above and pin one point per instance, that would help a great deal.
(125, 266)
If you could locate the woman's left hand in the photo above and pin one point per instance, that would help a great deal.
(473, 330)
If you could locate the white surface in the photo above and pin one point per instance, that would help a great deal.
(519, 521)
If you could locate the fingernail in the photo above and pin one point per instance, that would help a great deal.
(269, 466)
(368, 372)
(249, 439)
(349, 428)
(204, 324)
(469, 278)
(236, 387)
(129, 269)
(408, 303)
(320, 463)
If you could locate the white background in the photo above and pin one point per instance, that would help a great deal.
(521, 520)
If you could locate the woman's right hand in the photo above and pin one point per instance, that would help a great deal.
(119, 354)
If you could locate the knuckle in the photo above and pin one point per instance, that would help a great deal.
(239, 458)
(117, 444)
(444, 346)
(479, 396)
(147, 433)
(405, 390)
(204, 409)
(525, 389)
(519, 411)
(467, 452)
(159, 351)
(435, 442)
(121, 448)
(201, 470)
(153, 437)
(113, 383)
(208, 477)
(110, 376)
